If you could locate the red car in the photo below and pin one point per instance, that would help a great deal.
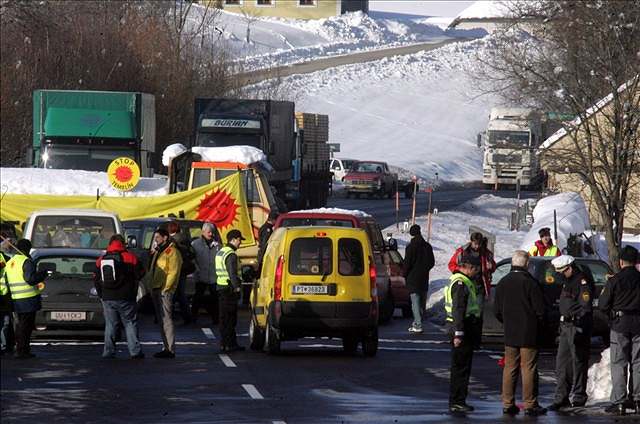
(390, 282)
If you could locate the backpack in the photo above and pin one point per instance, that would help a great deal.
(113, 271)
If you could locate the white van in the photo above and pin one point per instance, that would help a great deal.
(75, 228)
(340, 167)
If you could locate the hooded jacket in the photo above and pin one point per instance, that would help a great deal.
(133, 273)
(418, 261)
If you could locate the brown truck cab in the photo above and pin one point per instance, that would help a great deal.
(370, 178)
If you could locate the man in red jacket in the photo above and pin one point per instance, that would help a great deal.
(116, 280)
(477, 247)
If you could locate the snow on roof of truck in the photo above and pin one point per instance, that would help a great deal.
(240, 154)
(357, 213)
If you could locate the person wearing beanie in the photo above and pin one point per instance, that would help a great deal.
(620, 301)
(25, 285)
(417, 263)
(544, 246)
(574, 342)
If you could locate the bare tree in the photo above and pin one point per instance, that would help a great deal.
(580, 58)
(250, 17)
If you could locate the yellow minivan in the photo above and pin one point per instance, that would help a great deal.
(316, 281)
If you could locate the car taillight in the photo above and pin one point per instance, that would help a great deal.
(372, 280)
(277, 285)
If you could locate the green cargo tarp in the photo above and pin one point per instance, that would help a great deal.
(64, 122)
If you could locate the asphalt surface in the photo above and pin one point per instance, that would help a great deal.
(312, 381)
(321, 64)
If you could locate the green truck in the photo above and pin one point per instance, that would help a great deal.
(86, 130)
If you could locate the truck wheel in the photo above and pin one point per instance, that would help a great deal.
(272, 342)
(350, 344)
(370, 343)
(256, 335)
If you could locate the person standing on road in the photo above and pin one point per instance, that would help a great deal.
(25, 285)
(519, 306)
(205, 248)
(544, 246)
(463, 311)
(576, 325)
(165, 274)
(117, 276)
(263, 236)
(6, 309)
(620, 300)
(418, 261)
(183, 243)
(228, 285)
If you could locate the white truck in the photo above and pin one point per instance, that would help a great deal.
(510, 145)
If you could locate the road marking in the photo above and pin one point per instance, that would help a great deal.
(227, 361)
(404, 349)
(279, 422)
(64, 382)
(207, 332)
(414, 341)
(252, 391)
(495, 356)
(102, 343)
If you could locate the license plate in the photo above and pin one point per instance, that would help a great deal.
(311, 289)
(68, 316)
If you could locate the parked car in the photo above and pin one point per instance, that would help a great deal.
(316, 281)
(71, 228)
(353, 219)
(551, 282)
(69, 300)
(370, 178)
(340, 167)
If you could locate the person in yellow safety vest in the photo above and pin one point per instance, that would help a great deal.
(229, 283)
(6, 308)
(463, 311)
(544, 246)
(25, 285)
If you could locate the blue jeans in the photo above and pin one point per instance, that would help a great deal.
(415, 308)
(6, 338)
(125, 311)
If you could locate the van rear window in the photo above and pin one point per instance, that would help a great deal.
(304, 222)
(310, 256)
(72, 231)
(350, 257)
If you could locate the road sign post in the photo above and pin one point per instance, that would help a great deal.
(430, 191)
(415, 192)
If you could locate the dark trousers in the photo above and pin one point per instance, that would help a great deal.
(461, 358)
(572, 364)
(209, 302)
(25, 324)
(180, 296)
(6, 332)
(228, 306)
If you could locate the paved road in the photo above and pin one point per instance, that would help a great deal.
(333, 61)
(312, 381)
(384, 209)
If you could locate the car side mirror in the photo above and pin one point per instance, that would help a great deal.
(132, 242)
(392, 244)
(479, 140)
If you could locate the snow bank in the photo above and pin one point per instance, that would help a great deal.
(65, 182)
(599, 379)
(571, 214)
(451, 230)
(241, 154)
(486, 9)
(353, 212)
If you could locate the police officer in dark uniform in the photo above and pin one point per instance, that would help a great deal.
(576, 325)
(620, 300)
(463, 313)
(228, 286)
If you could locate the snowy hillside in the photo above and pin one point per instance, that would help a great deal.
(418, 112)
(279, 41)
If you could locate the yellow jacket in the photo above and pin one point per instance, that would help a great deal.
(165, 270)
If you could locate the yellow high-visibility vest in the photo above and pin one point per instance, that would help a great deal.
(221, 269)
(473, 307)
(14, 276)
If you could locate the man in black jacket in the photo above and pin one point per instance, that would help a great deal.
(418, 261)
(620, 300)
(264, 234)
(519, 305)
(116, 280)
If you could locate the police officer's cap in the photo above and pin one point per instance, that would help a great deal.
(234, 234)
(629, 254)
(562, 262)
(470, 260)
(546, 231)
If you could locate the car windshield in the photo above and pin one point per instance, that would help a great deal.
(367, 167)
(310, 256)
(72, 231)
(513, 138)
(304, 222)
(77, 267)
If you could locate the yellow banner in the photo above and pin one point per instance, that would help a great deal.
(223, 203)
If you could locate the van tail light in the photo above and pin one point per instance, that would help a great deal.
(277, 285)
(372, 279)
